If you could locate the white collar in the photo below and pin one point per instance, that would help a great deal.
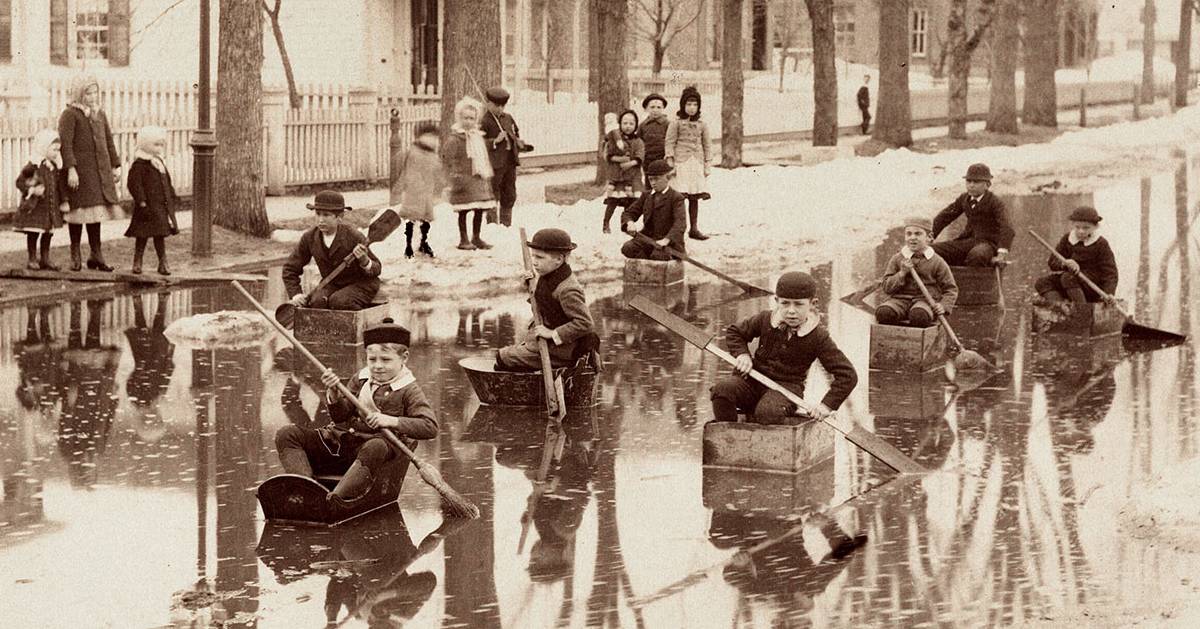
(403, 379)
(808, 326)
(976, 199)
(1087, 243)
(909, 253)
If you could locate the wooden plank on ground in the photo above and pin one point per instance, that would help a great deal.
(130, 278)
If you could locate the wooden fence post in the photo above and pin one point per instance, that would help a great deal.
(275, 110)
(363, 103)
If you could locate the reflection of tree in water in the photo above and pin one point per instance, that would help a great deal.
(611, 578)
(471, 598)
(89, 397)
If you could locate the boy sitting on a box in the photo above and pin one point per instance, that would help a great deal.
(1087, 252)
(329, 243)
(905, 303)
(790, 337)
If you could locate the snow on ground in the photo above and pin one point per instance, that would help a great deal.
(1167, 509)
(227, 329)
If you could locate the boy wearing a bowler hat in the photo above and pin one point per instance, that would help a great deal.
(904, 299)
(329, 243)
(504, 144)
(352, 445)
(988, 234)
(1087, 252)
(790, 337)
(566, 321)
(657, 214)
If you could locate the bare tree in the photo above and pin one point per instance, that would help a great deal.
(659, 21)
(277, 31)
(962, 44)
(1149, 15)
(733, 87)
(471, 52)
(1183, 57)
(1005, 43)
(894, 112)
(241, 204)
(1040, 45)
(610, 81)
(787, 29)
(825, 90)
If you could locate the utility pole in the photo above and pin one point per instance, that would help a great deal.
(204, 146)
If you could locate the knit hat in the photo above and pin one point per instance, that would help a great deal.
(689, 93)
(497, 95)
(978, 172)
(919, 221)
(386, 331)
(80, 83)
(328, 201)
(1085, 214)
(636, 121)
(795, 285)
(658, 167)
(551, 239)
(653, 96)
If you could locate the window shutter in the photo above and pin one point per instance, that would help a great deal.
(58, 32)
(118, 32)
(5, 30)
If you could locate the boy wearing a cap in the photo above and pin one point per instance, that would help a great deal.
(1087, 252)
(654, 129)
(657, 214)
(988, 234)
(790, 337)
(504, 145)
(351, 445)
(566, 321)
(329, 243)
(905, 301)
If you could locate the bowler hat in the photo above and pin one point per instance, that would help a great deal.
(328, 201)
(978, 172)
(919, 221)
(497, 95)
(653, 96)
(386, 331)
(1085, 214)
(795, 285)
(551, 239)
(658, 167)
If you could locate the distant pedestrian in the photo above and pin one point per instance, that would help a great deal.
(43, 187)
(688, 151)
(653, 129)
(93, 168)
(154, 198)
(623, 155)
(469, 169)
(988, 234)
(504, 145)
(864, 102)
(419, 187)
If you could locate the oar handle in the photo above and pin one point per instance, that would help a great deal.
(1087, 281)
(941, 317)
(745, 286)
(552, 405)
(341, 387)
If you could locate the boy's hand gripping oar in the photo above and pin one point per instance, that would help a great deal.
(381, 227)
(745, 286)
(454, 504)
(873, 444)
(963, 357)
(556, 404)
(1131, 327)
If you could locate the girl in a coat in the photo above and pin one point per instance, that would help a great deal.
(687, 150)
(42, 183)
(469, 169)
(93, 167)
(153, 198)
(623, 153)
(418, 188)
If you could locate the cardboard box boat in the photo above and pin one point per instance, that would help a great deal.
(978, 285)
(653, 272)
(319, 325)
(906, 349)
(789, 449)
(1087, 320)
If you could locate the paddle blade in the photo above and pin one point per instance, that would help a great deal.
(382, 226)
(285, 314)
(967, 360)
(1140, 332)
(877, 447)
(666, 318)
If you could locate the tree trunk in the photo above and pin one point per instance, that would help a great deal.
(960, 68)
(240, 200)
(1002, 102)
(277, 31)
(1148, 17)
(593, 46)
(825, 90)
(1041, 60)
(1183, 57)
(659, 54)
(893, 112)
(733, 94)
(612, 80)
(471, 52)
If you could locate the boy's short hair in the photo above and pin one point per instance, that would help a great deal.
(397, 348)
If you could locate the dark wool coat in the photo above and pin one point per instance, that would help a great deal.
(933, 271)
(1096, 261)
(153, 201)
(41, 212)
(635, 149)
(87, 146)
(864, 97)
(465, 185)
(401, 399)
(654, 135)
(662, 216)
(505, 154)
(311, 247)
(420, 184)
(988, 221)
(563, 307)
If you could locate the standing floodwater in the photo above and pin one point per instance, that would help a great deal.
(129, 467)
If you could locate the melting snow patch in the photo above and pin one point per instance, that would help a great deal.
(228, 329)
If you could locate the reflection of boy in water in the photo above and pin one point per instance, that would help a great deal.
(1079, 401)
(557, 514)
(153, 362)
(90, 399)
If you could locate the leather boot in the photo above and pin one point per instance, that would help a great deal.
(476, 226)
(464, 243)
(163, 269)
(295, 461)
(138, 252)
(354, 485)
(408, 234)
(76, 257)
(693, 214)
(45, 262)
(31, 246)
(425, 248)
(96, 260)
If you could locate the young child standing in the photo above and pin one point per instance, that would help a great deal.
(688, 151)
(469, 169)
(653, 129)
(153, 198)
(352, 445)
(329, 243)
(43, 187)
(419, 185)
(905, 303)
(790, 337)
(623, 152)
(1087, 252)
(566, 321)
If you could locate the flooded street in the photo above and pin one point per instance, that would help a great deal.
(129, 467)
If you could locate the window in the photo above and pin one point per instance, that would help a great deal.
(87, 32)
(5, 30)
(91, 29)
(843, 29)
(917, 32)
(510, 31)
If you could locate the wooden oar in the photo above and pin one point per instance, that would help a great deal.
(1131, 327)
(384, 224)
(745, 286)
(963, 357)
(453, 503)
(556, 404)
(873, 444)
(858, 297)
(551, 451)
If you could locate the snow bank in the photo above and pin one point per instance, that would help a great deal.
(1167, 508)
(228, 329)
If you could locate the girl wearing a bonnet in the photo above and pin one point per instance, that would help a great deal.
(43, 189)
(153, 198)
(93, 167)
